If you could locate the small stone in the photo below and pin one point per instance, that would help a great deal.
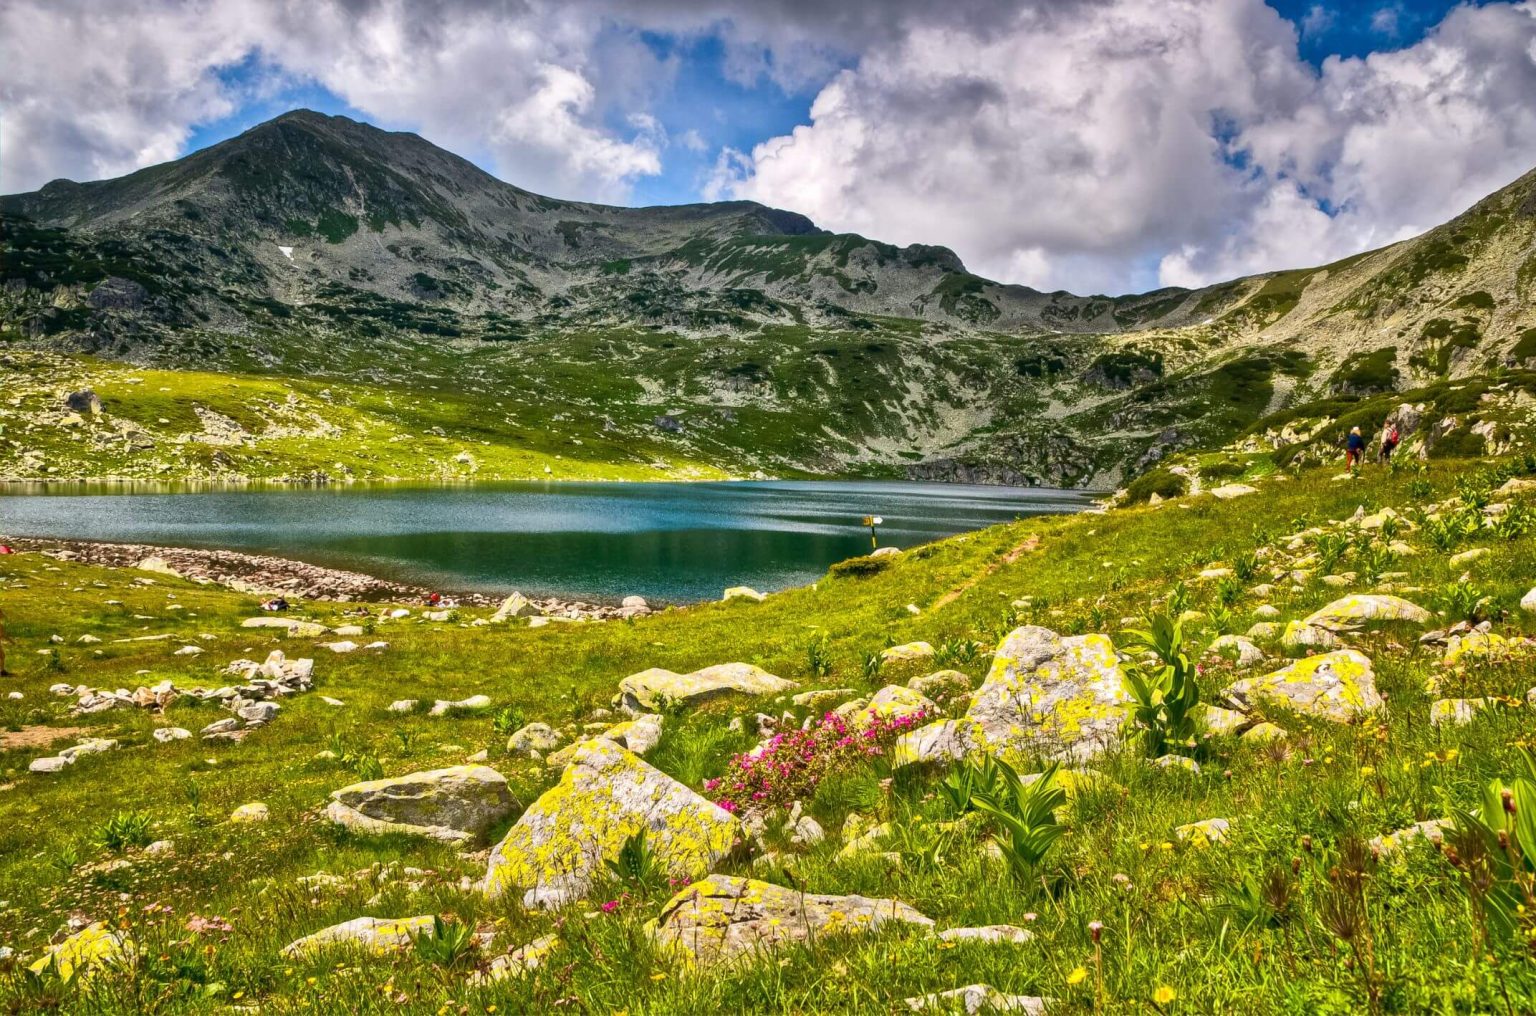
(1211, 830)
(403, 705)
(1455, 712)
(252, 813)
(474, 702)
(165, 734)
(744, 593)
(909, 652)
(988, 933)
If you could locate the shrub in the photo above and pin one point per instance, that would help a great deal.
(508, 721)
(123, 830)
(818, 655)
(859, 567)
(450, 945)
(1161, 482)
(1165, 692)
(1025, 814)
(791, 765)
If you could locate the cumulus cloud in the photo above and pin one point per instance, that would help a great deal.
(1102, 145)
(1128, 146)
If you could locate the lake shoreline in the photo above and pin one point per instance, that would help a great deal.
(266, 574)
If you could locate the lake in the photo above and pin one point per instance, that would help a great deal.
(668, 542)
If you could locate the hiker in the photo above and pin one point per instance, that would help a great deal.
(434, 599)
(277, 603)
(1389, 440)
(1354, 446)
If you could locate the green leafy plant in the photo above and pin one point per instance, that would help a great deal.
(1331, 548)
(450, 945)
(1517, 521)
(818, 655)
(1165, 691)
(1461, 601)
(508, 720)
(1024, 815)
(956, 652)
(66, 858)
(873, 663)
(366, 765)
(1374, 561)
(123, 830)
(637, 864)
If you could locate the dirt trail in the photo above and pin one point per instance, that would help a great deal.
(1029, 546)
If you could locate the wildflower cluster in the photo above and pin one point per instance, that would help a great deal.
(790, 765)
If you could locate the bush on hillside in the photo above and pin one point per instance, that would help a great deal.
(859, 567)
(1161, 482)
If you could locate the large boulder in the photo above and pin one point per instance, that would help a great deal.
(1361, 610)
(516, 605)
(1337, 686)
(91, 947)
(1050, 696)
(455, 805)
(294, 627)
(894, 702)
(379, 935)
(656, 688)
(722, 917)
(604, 797)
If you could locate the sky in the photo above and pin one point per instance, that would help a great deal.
(1090, 145)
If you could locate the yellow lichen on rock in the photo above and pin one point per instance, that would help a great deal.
(93, 946)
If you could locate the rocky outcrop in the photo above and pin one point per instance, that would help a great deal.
(1338, 686)
(1363, 610)
(657, 688)
(376, 935)
(604, 797)
(457, 804)
(723, 917)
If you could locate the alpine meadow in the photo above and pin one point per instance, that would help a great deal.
(1233, 711)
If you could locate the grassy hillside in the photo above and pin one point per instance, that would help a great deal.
(1286, 915)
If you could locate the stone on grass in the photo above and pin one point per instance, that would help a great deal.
(376, 935)
(1431, 831)
(455, 805)
(1207, 831)
(894, 702)
(940, 741)
(1363, 610)
(1264, 631)
(225, 726)
(650, 690)
(723, 917)
(1262, 733)
(533, 740)
(1183, 762)
(941, 683)
(516, 605)
(345, 646)
(1050, 696)
(51, 764)
(606, 795)
(744, 593)
(1228, 491)
(1337, 686)
(296, 628)
(1467, 556)
(475, 702)
(403, 705)
(92, 746)
(1224, 721)
(251, 813)
(88, 949)
(1456, 712)
(1528, 602)
(907, 652)
(258, 712)
(1237, 649)
(976, 999)
(821, 698)
(522, 960)
(164, 734)
(1300, 635)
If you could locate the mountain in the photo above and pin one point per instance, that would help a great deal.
(316, 246)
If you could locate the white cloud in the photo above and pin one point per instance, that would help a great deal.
(1127, 146)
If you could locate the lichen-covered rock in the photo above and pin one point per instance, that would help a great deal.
(454, 805)
(1237, 649)
(516, 605)
(1050, 696)
(533, 740)
(907, 652)
(88, 949)
(250, 814)
(652, 689)
(1228, 491)
(1362, 610)
(475, 703)
(723, 917)
(604, 797)
(1337, 686)
(1432, 832)
(378, 935)
(1300, 635)
(821, 698)
(1456, 712)
(522, 960)
(639, 735)
(1263, 733)
(941, 683)
(894, 702)
(1203, 833)
(944, 740)
(1224, 721)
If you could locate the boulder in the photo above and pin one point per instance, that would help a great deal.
(909, 652)
(1237, 649)
(1528, 602)
(743, 593)
(1261, 733)
(377, 935)
(1467, 556)
(1203, 833)
(1050, 696)
(1362, 610)
(516, 605)
(250, 814)
(650, 690)
(522, 960)
(88, 949)
(723, 917)
(1224, 721)
(821, 698)
(1228, 491)
(533, 740)
(294, 627)
(605, 796)
(51, 764)
(638, 735)
(455, 805)
(941, 683)
(1337, 686)
(1455, 712)
(974, 999)
(941, 741)
(475, 702)
(1300, 635)
(894, 702)
(258, 712)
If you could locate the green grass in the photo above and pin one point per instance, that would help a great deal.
(1169, 912)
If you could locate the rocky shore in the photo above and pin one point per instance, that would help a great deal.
(266, 574)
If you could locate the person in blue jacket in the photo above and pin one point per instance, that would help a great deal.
(1354, 448)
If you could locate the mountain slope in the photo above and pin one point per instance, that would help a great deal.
(314, 246)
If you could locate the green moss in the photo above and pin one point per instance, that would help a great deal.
(1525, 345)
(1368, 372)
(335, 225)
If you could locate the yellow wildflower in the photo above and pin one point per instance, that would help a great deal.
(1164, 994)
(1078, 976)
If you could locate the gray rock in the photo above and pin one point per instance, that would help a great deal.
(457, 804)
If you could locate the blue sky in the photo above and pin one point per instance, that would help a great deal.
(722, 113)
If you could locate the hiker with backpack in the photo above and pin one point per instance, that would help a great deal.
(1389, 441)
(1354, 448)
